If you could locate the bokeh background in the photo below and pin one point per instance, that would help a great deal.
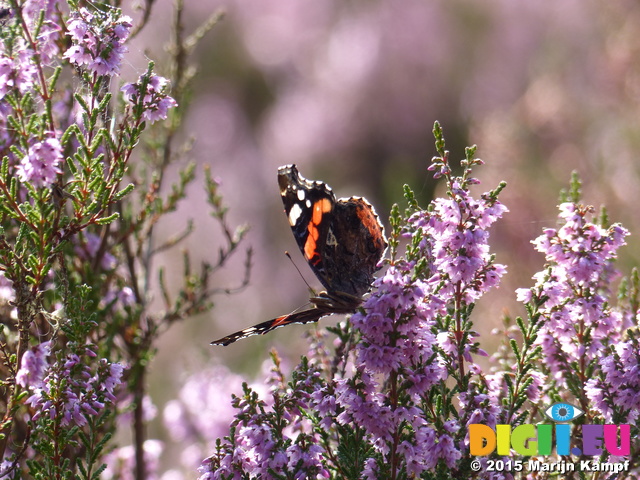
(349, 91)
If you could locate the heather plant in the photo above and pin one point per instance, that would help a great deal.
(390, 393)
(88, 154)
(78, 241)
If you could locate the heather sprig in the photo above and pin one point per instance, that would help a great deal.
(76, 251)
(272, 439)
(571, 295)
(580, 346)
(615, 392)
(98, 39)
(70, 405)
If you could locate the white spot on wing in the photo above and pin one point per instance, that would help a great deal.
(331, 238)
(294, 214)
(301, 195)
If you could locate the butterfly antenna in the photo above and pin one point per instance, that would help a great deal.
(313, 292)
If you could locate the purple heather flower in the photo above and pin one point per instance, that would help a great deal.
(481, 407)
(454, 239)
(33, 366)
(32, 9)
(396, 325)
(125, 296)
(6, 73)
(447, 451)
(71, 390)
(440, 167)
(304, 459)
(618, 388)
(206, 469)
(17, 72)
(98, 40)
(370, 471)
(156, 102)
(47, 41)
(40, 166)
(109, 377)
(429, 448)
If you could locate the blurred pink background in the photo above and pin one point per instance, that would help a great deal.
(350, 90)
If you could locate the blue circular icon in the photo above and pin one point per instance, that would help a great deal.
(563, 412)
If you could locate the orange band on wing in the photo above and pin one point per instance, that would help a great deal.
(310, 246)
(370, 222)
(320, 208)
(276, 322)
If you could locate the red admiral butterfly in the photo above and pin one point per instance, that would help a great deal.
(342, 240)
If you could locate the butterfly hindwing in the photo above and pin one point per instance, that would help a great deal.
(354, 248)
(306, 316)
